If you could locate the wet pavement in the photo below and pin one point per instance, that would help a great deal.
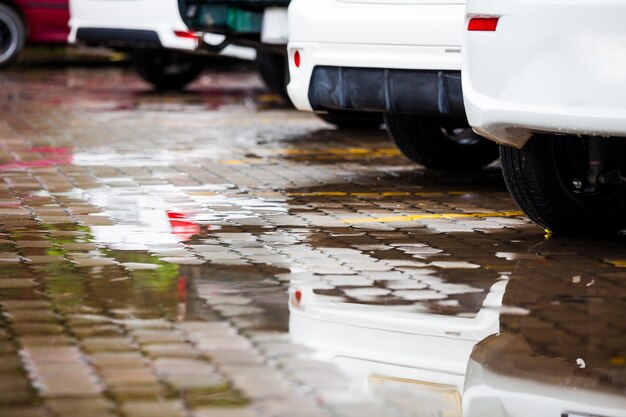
(217, 254)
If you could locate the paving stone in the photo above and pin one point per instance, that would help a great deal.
(224, 412)
(106, 344)
(38, 315)
(145, 336)
(22, 411)
(118, 359)
(128, 376)
(70, 407)
(164, 408)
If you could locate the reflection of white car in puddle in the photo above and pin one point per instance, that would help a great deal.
(394, 349)
(143, 222)
(505, 377)
(503, 359)
(163, 215)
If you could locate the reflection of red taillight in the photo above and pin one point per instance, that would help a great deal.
(184, 34)
(296, 59)
(181, 225)
(182, 289)
(175, 215)
(483, 24)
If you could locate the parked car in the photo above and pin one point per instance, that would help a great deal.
(545, 81)
(397, 57)
(22, 22)
(167, 38)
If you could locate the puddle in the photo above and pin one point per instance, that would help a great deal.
(158, 258)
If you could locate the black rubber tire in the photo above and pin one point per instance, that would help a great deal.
(427, 141)
(538, 180)
(12, 35)
(273, 71)
(165, 69)
(352, 120)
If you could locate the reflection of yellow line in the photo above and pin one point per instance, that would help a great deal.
(319, 194)
(381, 194)
(618, 263)
(337, 151)
(433, 216)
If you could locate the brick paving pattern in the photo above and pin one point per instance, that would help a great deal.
(150, 245)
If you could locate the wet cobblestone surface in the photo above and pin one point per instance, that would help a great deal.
(152, 246)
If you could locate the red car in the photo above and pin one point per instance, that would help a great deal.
(21, 21)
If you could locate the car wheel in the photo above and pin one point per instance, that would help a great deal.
(166, 70)
(569, 185)
(443, 143)
(273, 71)
(12, 35)
(352, 120)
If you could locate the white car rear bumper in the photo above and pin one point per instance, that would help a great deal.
(550, 66)
(161, 17)
(142, 23)
(368, 35)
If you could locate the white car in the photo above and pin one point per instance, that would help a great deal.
(397, 57)
(545, 80)
(168, 37)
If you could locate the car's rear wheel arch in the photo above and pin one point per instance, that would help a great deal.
(540, 182)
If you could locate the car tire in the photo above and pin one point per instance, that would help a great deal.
(440, 143)
(166, 70)
(541, 178)
(12, 35)
(273, 71)
(352, 120)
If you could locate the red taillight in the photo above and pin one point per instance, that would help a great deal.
(298, 296)
(483, 24)
(296, 59)
(184, 34)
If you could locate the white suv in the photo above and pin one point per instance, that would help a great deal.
(546, 80)
(401, 58)
(168, 37)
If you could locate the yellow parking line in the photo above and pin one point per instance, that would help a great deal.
(414, 217)
(320, 194)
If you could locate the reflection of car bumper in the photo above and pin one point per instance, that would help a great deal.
(506, 378)
(367, 35)
(548, 67)
(435, 348)
(418, 355)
